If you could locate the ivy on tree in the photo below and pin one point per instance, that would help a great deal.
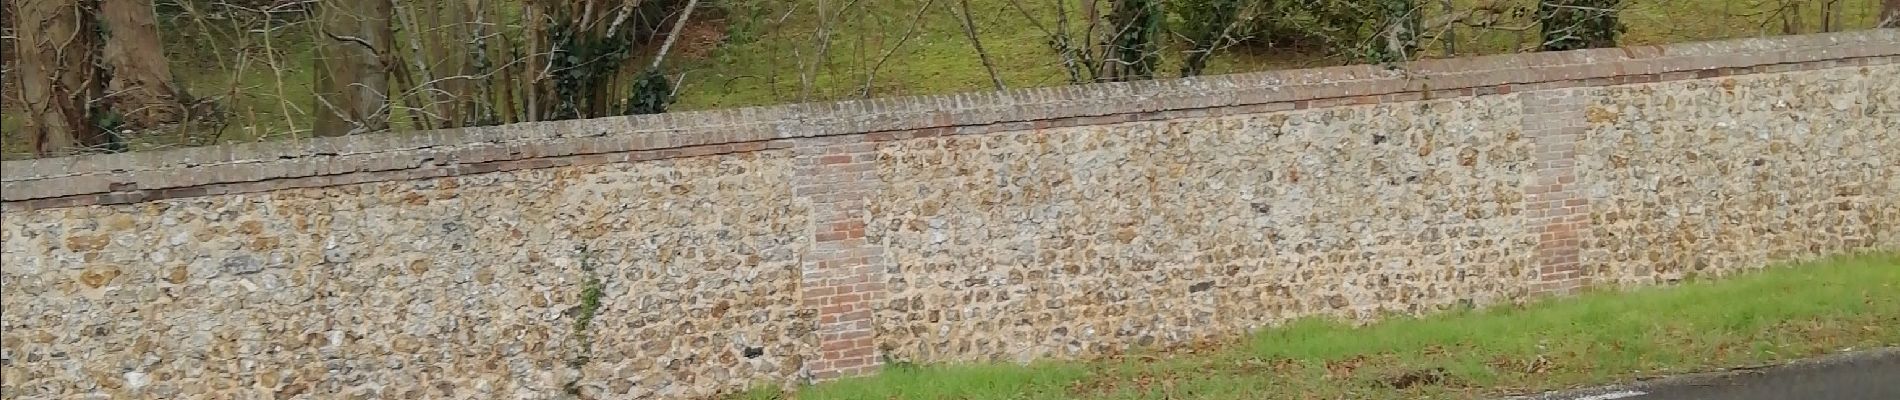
(1579, 24)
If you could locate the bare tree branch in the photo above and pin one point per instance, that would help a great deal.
(678, 26)
(969, 29)
(870, 76)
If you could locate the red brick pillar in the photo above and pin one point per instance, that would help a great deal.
(842, 273)
(1555, 203)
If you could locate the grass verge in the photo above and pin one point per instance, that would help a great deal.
(1778, 314)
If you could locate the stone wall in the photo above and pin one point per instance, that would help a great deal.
(1707, 177)
(684, 255)
(454, 287)
(1078, 241)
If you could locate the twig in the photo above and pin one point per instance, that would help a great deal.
(277, 77)
(969, 28)
(670, 37)
(871, 76)
(408, 20)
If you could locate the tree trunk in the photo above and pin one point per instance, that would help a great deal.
(679, 25)
(8, 87)
(1132, 46)
(141, 87)
(425, 99)
(460, 50)
(1791, 22)
(352, 81)
(57, 48)
(1208, 26)
(1890, 14)
(1399, 35)
(440, 52)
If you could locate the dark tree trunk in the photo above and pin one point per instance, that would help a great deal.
(1890, 14)
(1131, 52)
(1579, 24)
(352, 75)
(57, 53)
(141, 88)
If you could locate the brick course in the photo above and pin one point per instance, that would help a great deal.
(1554, 120)
(835, 179)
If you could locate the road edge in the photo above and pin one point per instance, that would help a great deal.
(1646, 385)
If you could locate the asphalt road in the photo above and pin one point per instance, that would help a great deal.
(1869, 375)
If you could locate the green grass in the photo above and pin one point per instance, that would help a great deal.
(1779, 314)
(759, 69)
(938, 59)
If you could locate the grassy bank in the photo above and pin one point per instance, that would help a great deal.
(763, 66)
(1778, 314)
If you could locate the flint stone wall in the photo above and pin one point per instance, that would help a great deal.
(687, 255)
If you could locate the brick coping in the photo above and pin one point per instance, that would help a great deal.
(254, 167)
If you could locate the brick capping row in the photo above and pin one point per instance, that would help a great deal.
(254, 167)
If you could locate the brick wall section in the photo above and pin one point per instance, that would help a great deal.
(1555, 121)
(841, 270)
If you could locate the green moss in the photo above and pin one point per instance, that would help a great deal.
(591, 290)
